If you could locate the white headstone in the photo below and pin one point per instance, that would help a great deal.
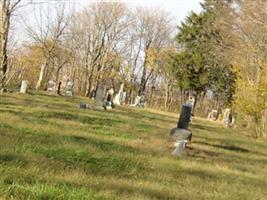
(227, 118)
(109, 99)
(123, 99)
(136, 101)
(118, 97)
(69, 92)
(213, 115)
(191, 100)
(51, 87)
(24, 86)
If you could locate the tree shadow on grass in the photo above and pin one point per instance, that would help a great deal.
(204, 127)
(233, 148)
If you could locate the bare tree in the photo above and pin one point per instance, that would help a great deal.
(48, 33)
(154, 31)
(98, 32)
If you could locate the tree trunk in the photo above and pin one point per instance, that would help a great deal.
(5, 23)
(41, 77)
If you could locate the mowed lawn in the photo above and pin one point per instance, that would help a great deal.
(51, 149)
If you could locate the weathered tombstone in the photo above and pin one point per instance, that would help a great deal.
(142, 102)
(123, 98)
(51, 86)
(227, 118)
(191, 101)
(136, 101)
(93, 94)
(85, 106)
(99, 96)
(69, 89)
(182, 134)
(109, 100)
(213, 115)
(185, 116)
(24, 87)
(118, 97)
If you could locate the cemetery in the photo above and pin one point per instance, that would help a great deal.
(136, 100)
(125, 152)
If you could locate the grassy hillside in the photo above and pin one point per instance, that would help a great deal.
(50, 149)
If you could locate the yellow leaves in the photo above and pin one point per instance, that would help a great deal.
(157, 57)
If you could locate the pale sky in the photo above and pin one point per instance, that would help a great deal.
(178, 9)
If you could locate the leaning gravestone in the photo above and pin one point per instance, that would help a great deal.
(24, 87)
(182, 135)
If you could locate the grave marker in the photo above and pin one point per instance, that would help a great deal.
(24, 87)
(182, 135)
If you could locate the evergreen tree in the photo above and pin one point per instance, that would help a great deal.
(198, 67)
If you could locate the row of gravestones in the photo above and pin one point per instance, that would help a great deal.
(105, 99)
(52, 87)
(101, 99)
(227, 117)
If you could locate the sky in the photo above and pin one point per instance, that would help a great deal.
(178, 9)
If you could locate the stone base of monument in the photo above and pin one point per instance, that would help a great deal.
(181, 138)
(179, 147)
(181, 134)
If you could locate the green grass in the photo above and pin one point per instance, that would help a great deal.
(50, 149)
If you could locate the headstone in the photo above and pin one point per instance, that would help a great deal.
(93, 94)
(109, 100)
(213, 115)
(227, 118)
(118, 97)
(136, 101)
(185, 116)
(181, 135)
(191, 101)
(85, 106)
(24, 87)
(123, 99)
(69, 89)
(142, 102)
(51, 86)
(99, 97)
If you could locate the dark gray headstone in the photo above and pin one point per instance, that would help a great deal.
(185, 115)
(99, 96)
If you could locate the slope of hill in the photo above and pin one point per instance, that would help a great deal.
(50, 149)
